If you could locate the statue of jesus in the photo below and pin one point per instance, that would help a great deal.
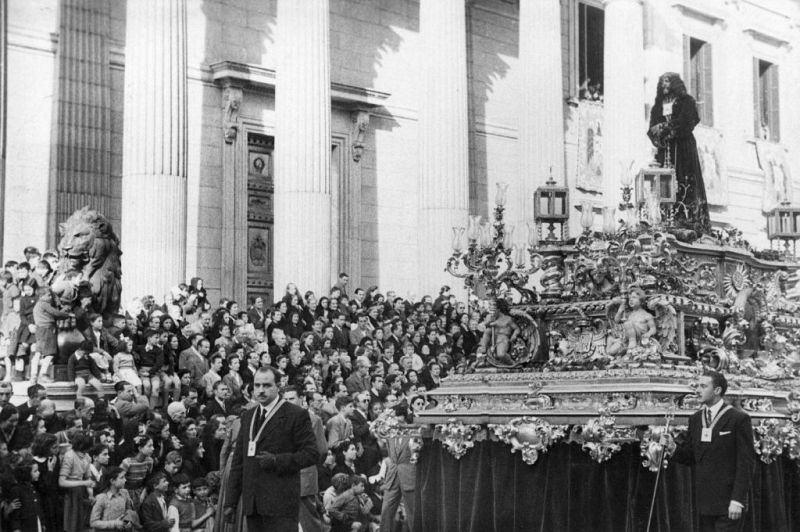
(672, 120)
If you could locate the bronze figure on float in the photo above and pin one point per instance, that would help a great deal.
(672, 120)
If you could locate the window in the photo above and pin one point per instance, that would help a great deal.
(591, 22)
(698, 75)
(767, 105)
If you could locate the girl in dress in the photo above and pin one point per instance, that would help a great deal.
(137, 468)
(125, 366)
(113, 507)
(76, 479)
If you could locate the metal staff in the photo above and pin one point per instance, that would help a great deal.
(661, 458)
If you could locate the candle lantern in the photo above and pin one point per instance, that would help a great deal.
(551, 211)
(783, 223)
(657, 183)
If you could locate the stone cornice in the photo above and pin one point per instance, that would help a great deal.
(772, 38)
(701, 10)
(231, 72)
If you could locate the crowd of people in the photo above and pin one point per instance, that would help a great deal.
(155, 453)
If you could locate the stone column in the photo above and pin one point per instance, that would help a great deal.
(541, 129)
(303, 147)
(625, 126)
(153, 235)
(443, 137)
(3, 100)
(80, 172)
(234, 186)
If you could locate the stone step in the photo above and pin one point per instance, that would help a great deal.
(61, 392)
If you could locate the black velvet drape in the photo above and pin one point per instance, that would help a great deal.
(490, 489)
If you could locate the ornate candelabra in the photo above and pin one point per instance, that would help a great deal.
(490, 258)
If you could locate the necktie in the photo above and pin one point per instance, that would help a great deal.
(259, 417)
(708, 417)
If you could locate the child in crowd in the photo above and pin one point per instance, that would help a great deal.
(138, 467)
(82, 369)
(349, 509)
(203, 503)
(28, 516)
(182, 508)
(124, 364)
(76, 478)
(113, 508)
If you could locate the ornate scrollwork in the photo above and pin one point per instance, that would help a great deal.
(601, 437)
(769, 439)
(529, 435)
(455, 403)
(758, 404)
(793, 405)
(791, 441)
(616, 402)
(538, 401)
(457, 437)
(658, 445)
(389, 425)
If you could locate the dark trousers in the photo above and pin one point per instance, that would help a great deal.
(391, 501)
(271, 523)
(310, 519)
(720, 523)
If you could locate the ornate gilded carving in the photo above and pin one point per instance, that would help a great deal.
(528, 435)
(457, 437)
(511, 337)
(658, 445)
(769, 439)
(762, 404)
(601, 437)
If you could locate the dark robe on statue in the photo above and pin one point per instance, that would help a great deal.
(673, 135)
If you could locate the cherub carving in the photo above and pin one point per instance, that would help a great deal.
(637, 331)
(511, 337)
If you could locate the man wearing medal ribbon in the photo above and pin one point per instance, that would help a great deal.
(275, 442)
(719, 445)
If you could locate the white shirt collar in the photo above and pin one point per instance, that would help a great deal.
(716, 408)
(268, 407)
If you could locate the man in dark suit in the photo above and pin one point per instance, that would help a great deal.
(276, 441)
(248, 369)
(256, 314)
(719, 445)
(36, 392)
(341, 335)
(218, 405)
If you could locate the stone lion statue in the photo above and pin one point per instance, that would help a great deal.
(89, 261)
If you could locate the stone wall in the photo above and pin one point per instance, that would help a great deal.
(376, 45)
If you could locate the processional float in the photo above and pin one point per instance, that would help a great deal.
(600, 339)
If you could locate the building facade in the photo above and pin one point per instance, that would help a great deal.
(259, 142)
